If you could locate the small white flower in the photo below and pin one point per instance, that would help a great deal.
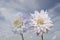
(19, 24)
(41, 22)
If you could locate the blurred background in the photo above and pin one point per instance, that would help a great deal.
(10, 8)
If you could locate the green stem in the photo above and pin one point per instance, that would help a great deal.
(22, 36)
(42, 37)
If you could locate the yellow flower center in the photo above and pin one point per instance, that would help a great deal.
(18, 22)
(40, 21)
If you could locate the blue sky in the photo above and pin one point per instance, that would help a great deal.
(11, 8)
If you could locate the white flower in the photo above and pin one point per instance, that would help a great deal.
(41, 22)
(19, 23)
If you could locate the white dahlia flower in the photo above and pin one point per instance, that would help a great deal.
(19, 23)
(41, 22)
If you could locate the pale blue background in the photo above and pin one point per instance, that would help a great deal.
(9, 8)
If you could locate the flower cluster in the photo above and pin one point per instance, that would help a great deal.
(40, 22)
